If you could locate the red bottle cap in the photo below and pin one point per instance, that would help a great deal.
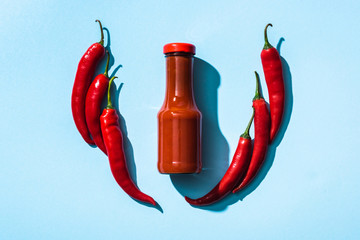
(179, 47)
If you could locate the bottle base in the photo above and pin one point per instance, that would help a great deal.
(178, 169)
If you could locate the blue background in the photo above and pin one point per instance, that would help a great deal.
(54, 186)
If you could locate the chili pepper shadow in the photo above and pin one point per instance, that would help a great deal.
(101, 68)
(128, 149)
(215, 148)
(280, 135)
(288, 97)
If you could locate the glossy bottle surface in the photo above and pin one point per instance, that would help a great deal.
(179, 119)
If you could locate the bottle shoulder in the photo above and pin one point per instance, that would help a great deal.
(175, 112)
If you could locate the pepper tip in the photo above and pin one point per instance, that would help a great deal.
(190, 200)
(241, 186)
(235, 190)
(152, 201)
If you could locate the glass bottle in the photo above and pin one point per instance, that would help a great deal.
(179, 119)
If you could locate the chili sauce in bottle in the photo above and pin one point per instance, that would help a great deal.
(179, 119)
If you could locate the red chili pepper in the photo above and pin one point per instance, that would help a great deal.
(94, 97)
(83, 78)
(271, 62)
(233, 175)
(113, 140)
(261, 138)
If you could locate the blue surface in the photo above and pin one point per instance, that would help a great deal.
(54, 186)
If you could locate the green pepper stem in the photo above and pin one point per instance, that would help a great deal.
(267, 45)
(257, 91)
(246, 133)
(107, 64)
(102, 33)
(109, 104)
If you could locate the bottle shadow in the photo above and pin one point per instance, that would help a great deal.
(271, 152)
(215, 148)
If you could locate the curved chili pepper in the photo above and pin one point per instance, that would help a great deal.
(113, 140)
(83, 78)
(94, 97)
(233, 175)
(261, 138)
(271, 62)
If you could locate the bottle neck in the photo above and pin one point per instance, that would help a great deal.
(179, 80)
